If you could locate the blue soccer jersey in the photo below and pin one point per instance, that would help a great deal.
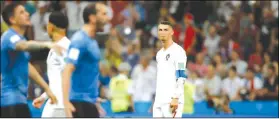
(84, 54)
(14, 70)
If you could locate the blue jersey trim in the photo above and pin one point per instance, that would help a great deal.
(180, 74)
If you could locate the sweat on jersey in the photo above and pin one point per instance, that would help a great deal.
(84, 54)
(171, 63)
(55, 66)
(14, 70)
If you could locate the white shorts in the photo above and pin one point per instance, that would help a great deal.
(165, 111)
(51, 110)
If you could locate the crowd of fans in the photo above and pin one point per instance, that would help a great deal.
(231, 46)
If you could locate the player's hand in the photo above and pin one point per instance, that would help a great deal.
(51, 96)
(174, 105)
(58, 49)
(69, 109)
(38, 102)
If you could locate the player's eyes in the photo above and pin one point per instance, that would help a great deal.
(165, 29)
(160, 29)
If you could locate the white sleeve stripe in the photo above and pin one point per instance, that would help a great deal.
(14, 38)
(74, 53)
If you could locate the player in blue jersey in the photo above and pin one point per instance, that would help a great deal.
(80, 75)
(15, 66)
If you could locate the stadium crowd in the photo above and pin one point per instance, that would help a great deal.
(231, 46)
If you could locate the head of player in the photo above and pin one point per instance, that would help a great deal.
(95, 16)
(16, 16)
(165, 32)
(57, 25)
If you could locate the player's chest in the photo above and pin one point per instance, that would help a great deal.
(165, 59)
(93, 51)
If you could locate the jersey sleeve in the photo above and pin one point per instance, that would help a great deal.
(180, 65)
(12, 41)
(75, 51)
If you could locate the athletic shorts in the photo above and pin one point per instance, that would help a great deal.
(85, 110)
(16, 111)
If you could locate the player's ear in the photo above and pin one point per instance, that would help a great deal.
(92, 19)
(172, 32)
(12, 20)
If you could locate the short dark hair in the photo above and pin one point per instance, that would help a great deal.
(166, 23)
(89, 10)
(58, 19)
(9, 11)
(233, 68)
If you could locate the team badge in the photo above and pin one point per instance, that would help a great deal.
(167, 57)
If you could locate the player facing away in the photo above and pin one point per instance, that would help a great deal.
(56, 28)
(15, 66)
(171, 63)
(80, 76)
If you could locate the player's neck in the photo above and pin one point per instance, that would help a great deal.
(167, 44)
(18, 29)
(90, 30)
(57, 37)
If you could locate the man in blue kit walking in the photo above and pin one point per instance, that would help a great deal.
(80, 76)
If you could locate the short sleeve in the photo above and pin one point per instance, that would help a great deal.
(12, 41)
(74, 53)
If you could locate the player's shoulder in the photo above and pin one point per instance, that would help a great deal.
(10, 36)
(178, 49)
(64, 42)
(78, 38)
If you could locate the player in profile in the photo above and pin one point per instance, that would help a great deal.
(56, 28)
(171, 63)
(15, 66)
(80, 75)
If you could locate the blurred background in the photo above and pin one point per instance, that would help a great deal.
(231, 46)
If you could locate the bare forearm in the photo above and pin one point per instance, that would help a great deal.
(35, 76)
(66, 76)
(32, 45)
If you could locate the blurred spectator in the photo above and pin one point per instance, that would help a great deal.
(220, 66)
(256, 57)
(251, 85)
(211, 42)
(131, 56)
(74, 11)
(232, 84)
(270, 88)
(189, 34)
(39, 21)
(267, 62)
(212, 82)
(143, 80)
(130, 15)
(199, 86)
(113, 49)
(240, 65)
(199, 65)
(121, 98)
(268, 22)
(29, 6)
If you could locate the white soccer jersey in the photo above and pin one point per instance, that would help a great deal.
(55, 66)
(169, 62)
